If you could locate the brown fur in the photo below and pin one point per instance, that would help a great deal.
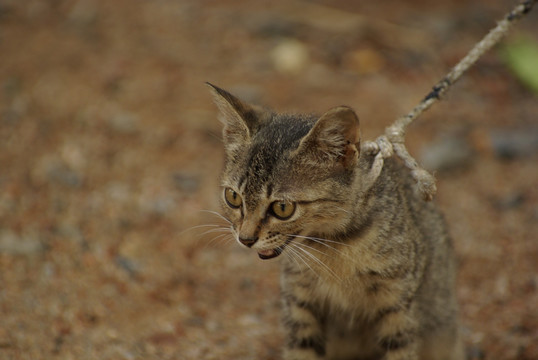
(367, 269)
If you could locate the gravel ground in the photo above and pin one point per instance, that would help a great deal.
(110, 154)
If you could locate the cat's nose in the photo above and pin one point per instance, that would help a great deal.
(248, 241)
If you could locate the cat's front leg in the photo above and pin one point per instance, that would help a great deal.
(398, 333)
(303, 323)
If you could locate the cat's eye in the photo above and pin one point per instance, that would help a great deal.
(283, 210)
(233, 199)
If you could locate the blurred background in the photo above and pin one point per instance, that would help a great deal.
(110, 152)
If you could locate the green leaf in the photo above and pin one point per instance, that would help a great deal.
(521, 56)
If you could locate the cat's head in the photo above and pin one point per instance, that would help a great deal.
(286, 177)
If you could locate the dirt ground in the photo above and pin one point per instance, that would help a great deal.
(110, 153)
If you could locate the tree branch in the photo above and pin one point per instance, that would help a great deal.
(395, 134)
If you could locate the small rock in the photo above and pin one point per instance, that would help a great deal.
(127, 264)
(5, 10)
(271, 25)
(13, 244)
(509, 144)
(5, 339)
(186, 182)
(510, 201)
(83, 13)
(111, 334)
(12, 85)
(447, 153)
(118, 191)
(63, 175)
(212, 326)
(9, 117)
(158, 206)
(475, 352)
(249, 321)
(534, 214)
(502, 287)
(365, 61)
(290, 56)
(73, 156)
(163, 338)
(52, 169)
(196, 321)
(123, 122)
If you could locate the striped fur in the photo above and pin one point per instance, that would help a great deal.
(367, 269)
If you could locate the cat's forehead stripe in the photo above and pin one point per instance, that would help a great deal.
(265, 154)
(241, 182)
(269, 190)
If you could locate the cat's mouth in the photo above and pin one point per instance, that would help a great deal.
(270, 253)
(273, 253)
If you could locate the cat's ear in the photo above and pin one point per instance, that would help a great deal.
(334, 138)
(239, 118)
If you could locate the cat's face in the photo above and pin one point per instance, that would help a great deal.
(286, 178)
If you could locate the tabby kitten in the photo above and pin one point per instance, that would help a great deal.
(367, 266)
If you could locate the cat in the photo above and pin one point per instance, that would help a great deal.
(368, 269)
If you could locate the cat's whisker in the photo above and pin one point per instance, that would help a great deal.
(321, 240)
(198, 227)
(224, 237)
(224, 230)
(216, 237)
(315, 258)
(220, 229)
(220, 216)
(324, 243)
(348, 257)
(322, 265)
(291, 254)
(312, 248)
(344, 210)
(301, 257)
(216, 136)
(338, 251)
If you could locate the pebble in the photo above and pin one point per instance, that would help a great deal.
(290, 56)
(123, 122)
(271, 25)
(118, 191)
(446, 153)
(510, 201)
(186, 182)
(14, 244)
(5, 339)
(83, 13)
(160, 205)
(127, 264)
(52, 169)
(65, 176)
(249, 321)
(475, 352)
(514, 143)
(365, 61)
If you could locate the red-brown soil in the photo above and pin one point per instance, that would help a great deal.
(110, 150)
